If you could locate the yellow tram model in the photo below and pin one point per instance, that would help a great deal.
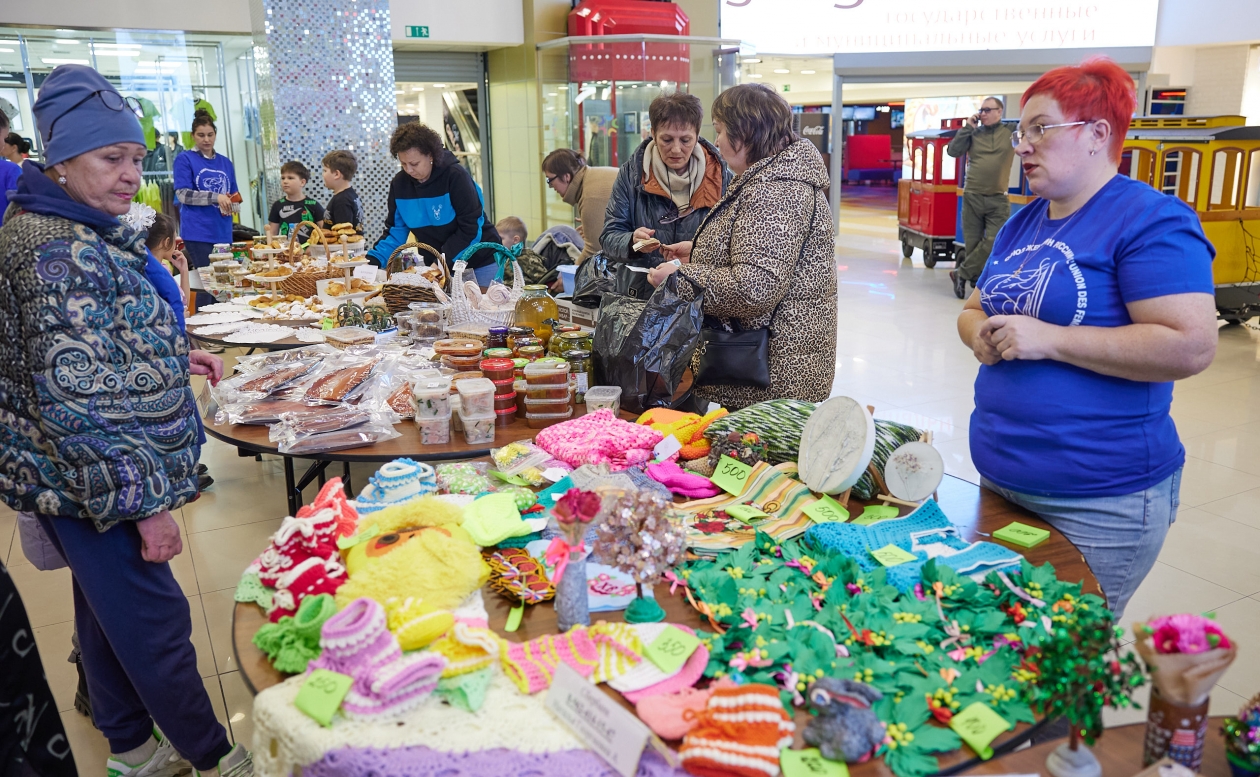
(1212, 164)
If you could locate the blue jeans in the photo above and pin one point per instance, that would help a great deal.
(1120, 536)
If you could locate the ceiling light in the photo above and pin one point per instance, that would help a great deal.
(6, 51)
(67, 41)
(416, 89)
(755, 75)
(782, 70)
(59, 61)
(439, 86)
(397, 91)
(752, 61)
(808, 72)
(553, 94)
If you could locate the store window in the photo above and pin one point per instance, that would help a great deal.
(1181, 175)
(172, 74)
(1252, 197)
(1226, 179)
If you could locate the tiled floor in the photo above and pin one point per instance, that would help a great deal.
(897, 351)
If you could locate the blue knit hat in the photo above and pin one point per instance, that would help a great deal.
(94, 114)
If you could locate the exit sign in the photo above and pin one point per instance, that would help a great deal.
(417, 32)
(787, 87)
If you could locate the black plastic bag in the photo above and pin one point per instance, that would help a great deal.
(645, 346)
(594, 278)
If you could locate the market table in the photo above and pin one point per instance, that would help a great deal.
(977, 512)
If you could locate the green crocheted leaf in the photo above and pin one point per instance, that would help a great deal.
(912, 710)
(251, 589)
(910, 762)
(934, 739)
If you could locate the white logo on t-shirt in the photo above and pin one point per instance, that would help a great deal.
(1022, 290)
(212, 181)
(289, 210)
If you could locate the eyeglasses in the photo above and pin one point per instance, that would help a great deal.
(551, 179)
(989, 110)
(1036, 132)
(675, 213)
(112, 100)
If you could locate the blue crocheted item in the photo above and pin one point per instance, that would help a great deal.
(401, 480)
(982, 558)
(520, 542)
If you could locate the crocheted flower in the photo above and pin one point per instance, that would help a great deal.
(577, 506)
(1186, 634)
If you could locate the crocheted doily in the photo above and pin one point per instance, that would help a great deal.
(285, 738)
(426, 762)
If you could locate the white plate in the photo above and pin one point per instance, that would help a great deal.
(260, 333)
(222, 329)
(351, 265)
(914, 471)
(223, 307)
(202, 319)
(837, 445)
(265, 279)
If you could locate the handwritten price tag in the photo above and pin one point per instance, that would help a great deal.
(746, 513)
(366, 273)
(666, 448)
(874, 513)
(826, 510)
(810, 763)
(731, 476)
(672, 648)
(979, 725)
(321, 695)
(891, 555)
(1022, 535)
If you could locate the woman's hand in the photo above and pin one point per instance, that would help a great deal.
(680, 251)
(179, 262)
(159, 538)
(982, 345)
(225, 204)
(205, 363)
(658, 274)
(1020, 337)
(641, 234)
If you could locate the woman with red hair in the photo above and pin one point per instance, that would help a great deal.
(1097, 296)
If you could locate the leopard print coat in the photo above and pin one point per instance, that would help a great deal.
(97, 417)
(757, 250)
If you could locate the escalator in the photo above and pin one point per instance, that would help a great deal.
(463, 130)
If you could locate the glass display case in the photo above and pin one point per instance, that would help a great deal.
(596, 92)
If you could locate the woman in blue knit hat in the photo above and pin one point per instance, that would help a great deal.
(98, 426)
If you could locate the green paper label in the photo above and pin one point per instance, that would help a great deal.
(731, 476)
(825, 510)
(979, 725)
(891, 555)
(874, 513)
(321, 695)
(345, 543)
(810, 763)
(515, 480)
(671, 649)
(514, 618)
(746, 513)
(1022, 534)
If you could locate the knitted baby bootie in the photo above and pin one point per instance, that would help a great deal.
(664, 713)
(647, 679)
(399, 481)
(395, 687)
(531, 665)
(416, 624)
(345, 518)
(740, 732)
(312, 577)
(681, 482)
(467, 649)
(293, 642)
(355, 641)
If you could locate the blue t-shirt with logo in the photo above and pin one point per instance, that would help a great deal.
(1053, 429)
(204, 223)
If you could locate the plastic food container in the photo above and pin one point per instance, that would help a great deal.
(603, 397)
(347, 336)
(428, 312)
(478, 428)
(462, 376)
(547, 405)
(497, 369)
(498, 353)
(543, 420)
(505, 402)
(424, 331)
(547, 392)
(462, 363)
(434, 431)
(476, 396)
(532, 352)
(457, 346)
(547, 372)
(478, 332)
(505, 417)
(504, 386)
(432, 398)
(519, 368)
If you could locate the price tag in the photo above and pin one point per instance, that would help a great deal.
(1022, 535)
(514, 618)
(891, 555)
(731, 476)
(746, 513)
(825, 510)
(515, 480)
(874, 513)
(979, 725)
(810, 763)
(366, 273)
(666, 448)
(321, 695)
(671, 649)
(602, 724)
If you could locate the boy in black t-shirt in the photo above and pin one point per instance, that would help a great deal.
(344, 207)
(295, 207)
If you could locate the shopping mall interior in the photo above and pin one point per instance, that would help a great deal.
(879, 92)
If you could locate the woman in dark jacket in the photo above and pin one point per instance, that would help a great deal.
(434, 198)
(98, 425)
(664, 191)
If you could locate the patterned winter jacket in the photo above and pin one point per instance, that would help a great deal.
(761, 263)
(97, 418)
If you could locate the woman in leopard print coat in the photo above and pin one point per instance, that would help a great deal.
(765, 255)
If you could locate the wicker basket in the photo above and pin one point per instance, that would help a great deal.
(398, 296)
(303, 283)
(462, 312)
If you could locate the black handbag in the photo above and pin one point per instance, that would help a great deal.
(741, 357)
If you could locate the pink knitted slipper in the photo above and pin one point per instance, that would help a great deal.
(682, 482)
(396, 687)
(664, 713)
(686, 677)
(356, 640)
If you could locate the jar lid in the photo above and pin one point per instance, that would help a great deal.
(520, 330)
(577, 353)
(520, 363)
(535, 287)
(498, 353)
(551, 360)
(529, 349)
(574, 335)
(497, 364)
(498, 330)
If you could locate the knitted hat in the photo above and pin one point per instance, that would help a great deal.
(79, 111)
(666, 713)
(740, 732)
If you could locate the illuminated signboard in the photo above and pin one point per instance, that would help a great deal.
(855, 26)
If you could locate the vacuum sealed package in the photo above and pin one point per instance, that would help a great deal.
(259, 411)
(339, 380)
(516, 457)
(330, 430)
(261, 383)
(257, 361)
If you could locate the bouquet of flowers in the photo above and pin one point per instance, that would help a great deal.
(1186, 655)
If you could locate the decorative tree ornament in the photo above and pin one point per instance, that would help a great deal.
(642, 535)
(574, 513)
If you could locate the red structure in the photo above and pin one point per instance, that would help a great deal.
(629, 61)
(927, 202)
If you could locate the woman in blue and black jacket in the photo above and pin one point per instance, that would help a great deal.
(434, 198)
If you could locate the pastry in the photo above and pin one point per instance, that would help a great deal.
(337, 385)
(335, 289)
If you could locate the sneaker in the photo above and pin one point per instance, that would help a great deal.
(237, 763)
(960, 284)
(204, 481)
(202, 469)
(165, 762)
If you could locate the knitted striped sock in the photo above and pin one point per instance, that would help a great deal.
(740, 732)
(531, 665)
